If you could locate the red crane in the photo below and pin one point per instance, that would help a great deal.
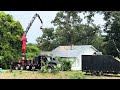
(23, 38)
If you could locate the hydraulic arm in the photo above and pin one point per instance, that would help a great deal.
(24, 39)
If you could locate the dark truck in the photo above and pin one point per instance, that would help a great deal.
(100, 64)
(37, 63)
(43, 60)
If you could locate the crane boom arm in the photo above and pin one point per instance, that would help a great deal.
(31, 22)
(23, 38)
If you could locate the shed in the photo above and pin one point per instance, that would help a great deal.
(74, 53)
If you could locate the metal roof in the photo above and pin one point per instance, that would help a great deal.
(70, 51)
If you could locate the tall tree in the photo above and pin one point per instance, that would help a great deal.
(112, 28)
(69, 31)
(66, 21)
(114, 33)
(46, 42)
(10, 34)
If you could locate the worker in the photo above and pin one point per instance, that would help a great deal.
(24, 40)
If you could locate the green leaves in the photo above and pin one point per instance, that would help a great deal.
(46, 42)
(112, 28)
(10, 32)
(69, 30)
(32, 51)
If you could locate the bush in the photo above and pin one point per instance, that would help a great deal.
(55, 70)
(66, 64)
(44, 69)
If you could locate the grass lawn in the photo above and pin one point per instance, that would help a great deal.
(17, 74)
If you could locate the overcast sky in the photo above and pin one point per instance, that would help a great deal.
(24, 17)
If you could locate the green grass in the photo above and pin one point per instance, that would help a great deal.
(17, 74)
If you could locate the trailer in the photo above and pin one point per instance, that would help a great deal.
(100, 64)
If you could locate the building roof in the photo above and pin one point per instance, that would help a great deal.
(71, 51)
(46, 53)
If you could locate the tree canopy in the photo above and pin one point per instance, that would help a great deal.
(10, 34)
(32, 50)
(112, 28)
(69, 30)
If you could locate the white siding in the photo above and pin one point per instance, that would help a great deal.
(78, 66)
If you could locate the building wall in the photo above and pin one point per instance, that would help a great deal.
(78, 60)
(76, 64)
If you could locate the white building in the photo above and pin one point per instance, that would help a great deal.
(74, 53)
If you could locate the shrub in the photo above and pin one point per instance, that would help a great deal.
(45, 66)
(66, 64)
(55, 70)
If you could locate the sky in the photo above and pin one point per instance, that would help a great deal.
(24, 17)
